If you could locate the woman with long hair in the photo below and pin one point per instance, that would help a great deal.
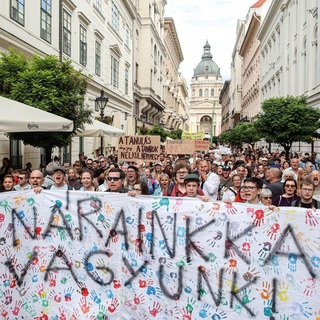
(231, 192)
(87, 181)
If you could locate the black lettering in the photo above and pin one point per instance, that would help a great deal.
(301, 254)
(131, 270)
(172, 252)
(113, 232)
(230, 244)
(51, 225)
(61, 255)
(82, 215)
(190, 244)
(274, 295)
(24, 270)
(26, 228)
(94, 277)
(166, 293)
(234, 292)
(202, 275)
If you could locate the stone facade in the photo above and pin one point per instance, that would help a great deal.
(206, 85)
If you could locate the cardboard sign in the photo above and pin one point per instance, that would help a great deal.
(145, 148)
(201, 145)
(179, 146)
(100, 255)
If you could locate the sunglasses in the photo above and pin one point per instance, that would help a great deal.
(21, 178)
(114, 178)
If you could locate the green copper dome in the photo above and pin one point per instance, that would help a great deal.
(207, 66)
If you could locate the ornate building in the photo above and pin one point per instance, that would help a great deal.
(206, 85)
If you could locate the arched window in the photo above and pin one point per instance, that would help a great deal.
(200, 93)
(212, 92)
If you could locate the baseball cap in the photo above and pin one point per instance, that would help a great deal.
(62, 169)
(191, 177)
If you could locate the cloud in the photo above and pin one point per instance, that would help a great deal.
(212, 20)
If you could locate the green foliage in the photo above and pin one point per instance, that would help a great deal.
(157, 130)
(245, 133)
(48, 84)
(224, 137)
(288, 119)
(175, 134)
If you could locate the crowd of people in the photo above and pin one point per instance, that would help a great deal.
(268, 179)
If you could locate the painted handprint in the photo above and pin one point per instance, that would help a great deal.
(163, 202)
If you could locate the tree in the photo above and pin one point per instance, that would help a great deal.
(224, 137)
(245, 133)
(286, 120)
(48, 84)
(175, 134)
(157, 130)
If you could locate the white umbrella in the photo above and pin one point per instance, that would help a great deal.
(99, 129)
(19, 117)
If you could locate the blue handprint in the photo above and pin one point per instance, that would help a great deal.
(163, 202)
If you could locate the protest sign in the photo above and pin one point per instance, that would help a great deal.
(145, 148)
(86, 255)
(201, 145)
(179, 146)
(193, 136)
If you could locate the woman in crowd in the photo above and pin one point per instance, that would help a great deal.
(266, 197)
(165, 184)
(132, 177)
(231, 193)
(285, 165)
(157, 171)
(289, 194)
(73, 180)
(87, 181)
(241, 195)
(140, 188)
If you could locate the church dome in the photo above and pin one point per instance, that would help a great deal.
(207, 66)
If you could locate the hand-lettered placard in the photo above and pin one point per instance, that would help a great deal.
(145, 148)
(96, 255)
(179, 146)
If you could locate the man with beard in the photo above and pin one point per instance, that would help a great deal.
(315, 178)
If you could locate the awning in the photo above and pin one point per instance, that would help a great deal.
(99, 129)
(19, 117)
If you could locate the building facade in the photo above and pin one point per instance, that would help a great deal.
(123, 47)
(206, 85)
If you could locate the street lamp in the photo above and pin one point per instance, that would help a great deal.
(143, 118)
(102, 103)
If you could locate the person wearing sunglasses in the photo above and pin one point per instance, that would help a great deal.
(266, 197)
(115, 180)
(289, 194)
(23, 178)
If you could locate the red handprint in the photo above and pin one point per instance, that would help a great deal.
(114, 305)
(272, 232)
(156, 309)
(258, 216)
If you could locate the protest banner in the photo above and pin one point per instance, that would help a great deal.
(179, 146)
(201, 145)
(145, 148)
(193, 136)
(87, 255)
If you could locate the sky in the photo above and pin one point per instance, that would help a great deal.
(214, 20)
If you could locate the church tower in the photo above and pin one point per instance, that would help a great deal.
(206, 84)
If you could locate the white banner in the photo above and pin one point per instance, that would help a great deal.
(78, 255)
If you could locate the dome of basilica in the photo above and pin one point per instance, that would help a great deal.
(207, 66)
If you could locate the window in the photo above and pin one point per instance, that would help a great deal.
(45, 31)
(114, 72)
(17, 11)
(99, 5)
(83, 46)
(206, 92)
(137, 73)
(200, 93)
(115, 18)
(66, 33)
(212, 92)
(98, 59)
(126, 81)
(127, 37)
